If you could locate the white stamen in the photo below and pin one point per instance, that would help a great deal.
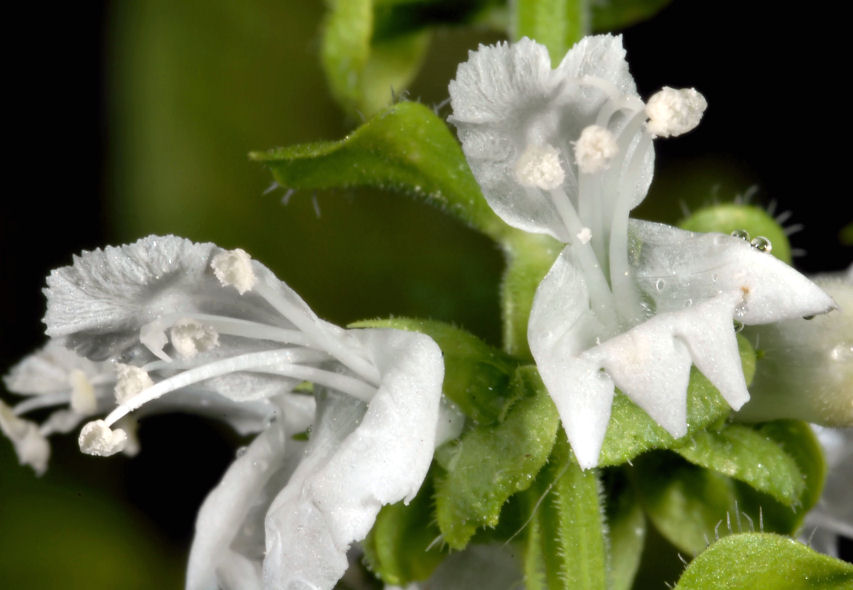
(278, 362)
(539, 166)
(30, 446)
(96, 438)
(594, 149)
(674, 112)
(234, 268)
(190, 337)
(130, 380)
(584, 235)
(83, 400)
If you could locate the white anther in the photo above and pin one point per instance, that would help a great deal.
(130, 380)
(674, 112)
(30, 446)
(96, 438)
(83, 400)
(594, 149)
(190, 337)
(584, 235)
(539, 166)
(234, 268)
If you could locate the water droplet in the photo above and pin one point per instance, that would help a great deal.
(688, 303)
(714, 278)
(738, 326)
(761, 243)
(241, 451)
(741, 233)
(842, 352)
(660, 284)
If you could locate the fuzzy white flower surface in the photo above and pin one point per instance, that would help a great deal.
(191, 325)
(569, 152)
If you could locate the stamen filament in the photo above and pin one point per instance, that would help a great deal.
(265, 361)
(319, 337)
(596, 282)
(623, 285)
(44, 400)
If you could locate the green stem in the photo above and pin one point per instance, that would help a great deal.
(557, 24)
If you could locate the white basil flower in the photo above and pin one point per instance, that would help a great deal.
(569, 152)
(189, 321)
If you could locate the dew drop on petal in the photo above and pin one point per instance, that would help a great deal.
(241, 451)
(742, 234)
(738, 326)
(660, 284)
(761, 243)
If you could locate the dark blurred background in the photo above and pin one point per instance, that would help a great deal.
(135, 118)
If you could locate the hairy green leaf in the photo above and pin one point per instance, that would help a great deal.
(688, 505)
(611, 15)
(405, 148)
(761, 560)
(400, 548)
(490, 463)
(476, 376)
(799, 442)
(747, 455)
(557, 24)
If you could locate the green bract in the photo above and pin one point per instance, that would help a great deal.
(491, 463)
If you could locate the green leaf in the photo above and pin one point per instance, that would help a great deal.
(728, 217)
(627, 534)
(761, 560)
(401, 546)
(745, 454)
(568, 539)
(799, 442)
(557, 24)
(631, 431)
(364, 73)
(406, 148)
(611, 15)
(476, 376)
(688, 505)
(491, 463)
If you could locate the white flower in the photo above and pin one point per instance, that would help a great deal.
(198, 322)
(568, 152)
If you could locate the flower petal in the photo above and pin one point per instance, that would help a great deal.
(676, 268)
(652, 368)
(599, 56)
(358, 459)
(48, 369)
(561, 326)
(235, 508)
